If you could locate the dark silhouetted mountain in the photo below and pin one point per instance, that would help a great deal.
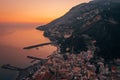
(98, 19)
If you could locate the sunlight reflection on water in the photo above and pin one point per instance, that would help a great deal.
(12, 41)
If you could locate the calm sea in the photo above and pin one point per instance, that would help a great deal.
(15, 36)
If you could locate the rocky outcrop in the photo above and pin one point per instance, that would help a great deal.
(98, 19)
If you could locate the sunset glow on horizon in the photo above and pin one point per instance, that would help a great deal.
(42, 11)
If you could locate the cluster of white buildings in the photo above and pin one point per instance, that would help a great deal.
(76, 67)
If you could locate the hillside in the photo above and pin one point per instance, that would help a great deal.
(99, 20)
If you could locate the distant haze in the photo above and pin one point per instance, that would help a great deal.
(34, 10)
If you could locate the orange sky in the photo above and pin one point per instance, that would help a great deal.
(34, 10)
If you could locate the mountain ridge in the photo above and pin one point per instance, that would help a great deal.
(98, 19)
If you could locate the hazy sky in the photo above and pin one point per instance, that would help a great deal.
(34, 10)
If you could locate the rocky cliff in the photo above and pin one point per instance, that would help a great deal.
(98, 19)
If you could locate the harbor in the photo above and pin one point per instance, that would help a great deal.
(69, 66)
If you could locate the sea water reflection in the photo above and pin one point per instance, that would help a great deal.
(12, 41)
